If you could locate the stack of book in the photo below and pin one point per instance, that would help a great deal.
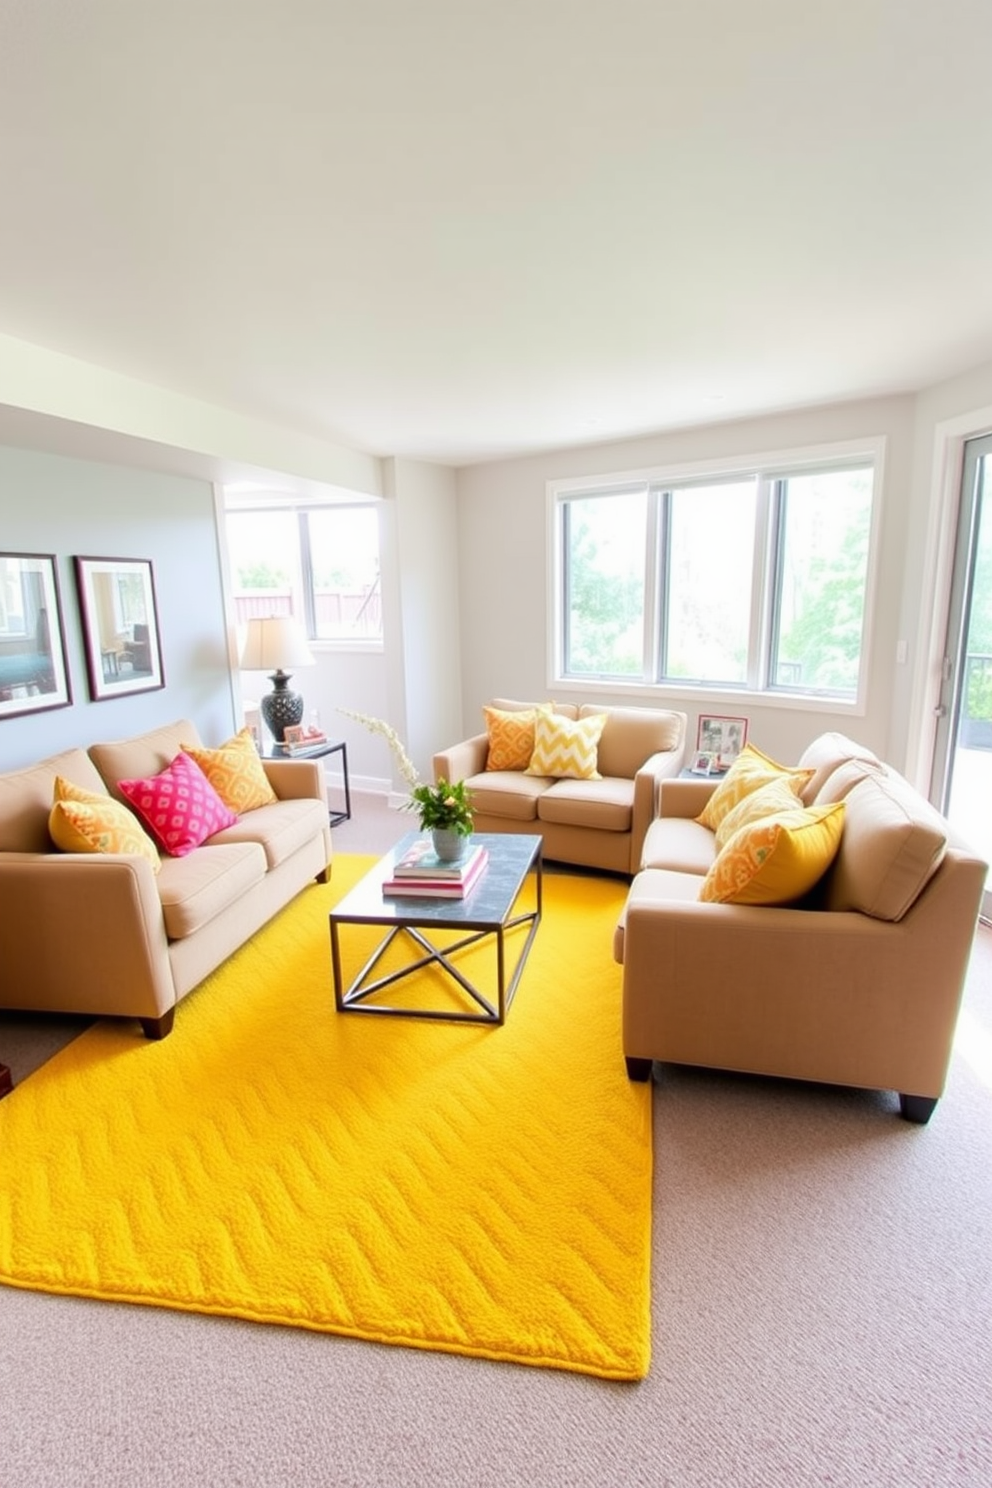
(420, 873)
(298, 740)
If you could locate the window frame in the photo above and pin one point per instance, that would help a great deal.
(768, 468)
(303, 577)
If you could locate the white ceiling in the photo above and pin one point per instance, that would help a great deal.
(454, 230)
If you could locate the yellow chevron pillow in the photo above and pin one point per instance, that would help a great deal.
(777, 859)
(235, 772)
(566, 748)
(83, 821)
(780, 794)
(511, 736)
(750, 770)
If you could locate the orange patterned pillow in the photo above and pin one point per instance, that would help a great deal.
(235, 772)
(511, 736)
(777, 859)
(750, 770)
(82, 821)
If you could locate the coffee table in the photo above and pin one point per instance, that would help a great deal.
(487, 911)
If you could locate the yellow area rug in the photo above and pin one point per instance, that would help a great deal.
(478, 1190)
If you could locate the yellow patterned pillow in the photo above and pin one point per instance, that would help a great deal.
(235, 772)
(82, 821)
(511, 736)
(566, 747)
(750, 770)
(780, 794)
(777, 859)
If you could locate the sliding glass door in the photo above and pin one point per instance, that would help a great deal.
(961, 784)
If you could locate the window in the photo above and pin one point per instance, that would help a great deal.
(754, 580)
(319, 563)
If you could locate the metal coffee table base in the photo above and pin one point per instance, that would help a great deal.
(353, 1000)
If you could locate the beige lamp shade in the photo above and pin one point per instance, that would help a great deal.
(273, 644)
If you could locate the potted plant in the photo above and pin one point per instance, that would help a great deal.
(445, 812)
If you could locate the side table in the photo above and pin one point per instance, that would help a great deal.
(319, 751)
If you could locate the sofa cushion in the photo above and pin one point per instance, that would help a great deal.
(144, 755)
(83, 821)
(280, 829)
(511, 737)
(606, 804)
(824, 755)
(26, 798)
(196, 888)
(565, 747)
(894, 842)
(511, 705)
(631, 735)
(179, 806)
(750, 770)
(780, 794)
(680, 844)
(777, 859)
(841, 781)
(510, 793)
(235, 771)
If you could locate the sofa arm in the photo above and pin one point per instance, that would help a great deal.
(462, 760)
(684, 798)
(297, 780)
(83, 933)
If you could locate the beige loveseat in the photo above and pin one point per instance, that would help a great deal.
(858, 984)
(596, 823)
(102, 933)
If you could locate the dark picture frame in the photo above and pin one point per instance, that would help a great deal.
(120, 626)
(721, 736)
(34, 670)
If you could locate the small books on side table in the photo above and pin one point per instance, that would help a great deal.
(298, 740)
(420, 873)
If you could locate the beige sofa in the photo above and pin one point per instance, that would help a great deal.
(857, 984)
(103, 933)
(596, 823)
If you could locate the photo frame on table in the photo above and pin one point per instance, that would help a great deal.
(703, 763)
(34, 673)
(120, 626)
(722, 737)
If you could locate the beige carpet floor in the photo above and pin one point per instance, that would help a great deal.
(822, 1299)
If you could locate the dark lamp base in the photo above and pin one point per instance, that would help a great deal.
(280, 708)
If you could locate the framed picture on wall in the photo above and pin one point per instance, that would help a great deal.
(33, 670)
(120, 626)
(721, 737)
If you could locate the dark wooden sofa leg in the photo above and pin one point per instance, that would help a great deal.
(158, 1028)
(638, 1069)
(6, 1081)
(916, 1108)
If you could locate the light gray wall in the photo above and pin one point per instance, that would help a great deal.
(52, 504)
(504, 567)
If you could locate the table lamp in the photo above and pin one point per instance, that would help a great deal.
(273, 644)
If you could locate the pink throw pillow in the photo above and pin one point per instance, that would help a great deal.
(179, 807)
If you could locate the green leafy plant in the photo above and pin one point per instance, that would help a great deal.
(443, 807)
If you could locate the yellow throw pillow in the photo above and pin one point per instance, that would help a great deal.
(750, 770)
(566, 747)
(780, 794)
(777, 859)
(81, 821)
(235, 772)
(511, 737)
